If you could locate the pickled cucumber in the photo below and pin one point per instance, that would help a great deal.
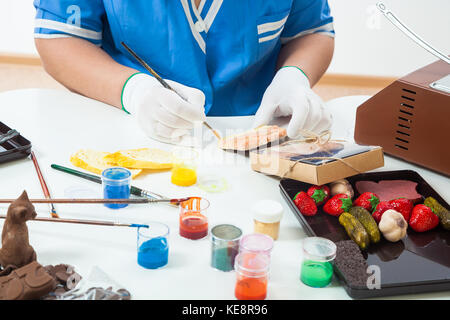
(440, 211)
(368, 223)
(355, 230)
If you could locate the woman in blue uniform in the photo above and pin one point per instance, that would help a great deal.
(225, 57)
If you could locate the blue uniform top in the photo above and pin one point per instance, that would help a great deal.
(228, 49)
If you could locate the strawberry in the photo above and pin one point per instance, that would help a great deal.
(338, 204)
(305, 204)
(423, 218)
(404, 206)
(380, 209)
(320, 194)
(367, 200)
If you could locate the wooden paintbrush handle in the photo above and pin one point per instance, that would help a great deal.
(85, 201)
(40, 176)
(77, 221)
(93, 201)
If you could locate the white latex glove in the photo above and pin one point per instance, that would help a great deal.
(290, 94)
(161, 113)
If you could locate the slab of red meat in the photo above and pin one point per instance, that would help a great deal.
(390, 189)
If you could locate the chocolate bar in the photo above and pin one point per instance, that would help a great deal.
(26, 283)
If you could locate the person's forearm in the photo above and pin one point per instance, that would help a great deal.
(84, 68)
(311, 53)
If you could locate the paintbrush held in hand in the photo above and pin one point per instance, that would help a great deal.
(163, 83)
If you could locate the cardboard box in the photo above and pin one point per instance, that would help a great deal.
(331, 170)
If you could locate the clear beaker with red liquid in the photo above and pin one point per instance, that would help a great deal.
(193, 219)
(252, 271)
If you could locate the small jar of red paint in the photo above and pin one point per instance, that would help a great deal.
(193, 219)
(252, 271)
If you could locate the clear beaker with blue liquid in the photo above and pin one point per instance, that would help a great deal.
(116, 184)
(153, 246)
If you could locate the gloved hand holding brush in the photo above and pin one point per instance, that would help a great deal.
(161, 113)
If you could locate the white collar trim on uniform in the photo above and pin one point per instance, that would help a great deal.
(198, 16)
(201, 25)
(200, 6)
(194, 31)
(212, 12)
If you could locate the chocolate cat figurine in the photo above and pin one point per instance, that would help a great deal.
(16, 250)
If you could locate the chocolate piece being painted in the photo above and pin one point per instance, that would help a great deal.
(26, 283)
(16, 250)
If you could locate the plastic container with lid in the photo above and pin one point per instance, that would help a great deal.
(266, 216)
(317, 270)
(256, 243)
(116, 185)
(193, 218)
(184, 170)
(252, 270)
(225, 246)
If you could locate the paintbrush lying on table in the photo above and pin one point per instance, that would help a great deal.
(90, 222)
(94, 201)
(97, 179)
(43, 185)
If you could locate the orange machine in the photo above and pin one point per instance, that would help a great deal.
(410, 118)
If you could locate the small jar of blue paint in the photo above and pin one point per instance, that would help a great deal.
(152, 246)
(116, 185)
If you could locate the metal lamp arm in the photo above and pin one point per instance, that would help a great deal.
(412, 35)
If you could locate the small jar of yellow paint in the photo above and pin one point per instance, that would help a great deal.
(184, 170)
(267, 215)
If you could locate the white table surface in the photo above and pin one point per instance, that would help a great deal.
(59, 123)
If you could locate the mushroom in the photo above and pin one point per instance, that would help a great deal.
(393, 225)
(341, 186)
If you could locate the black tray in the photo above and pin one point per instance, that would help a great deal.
(15, 148)
(418, 263)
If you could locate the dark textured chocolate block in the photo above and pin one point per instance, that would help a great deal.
(351, 263)
(26, 283)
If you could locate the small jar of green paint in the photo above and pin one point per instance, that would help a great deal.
(317, 268)
(224, 246)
